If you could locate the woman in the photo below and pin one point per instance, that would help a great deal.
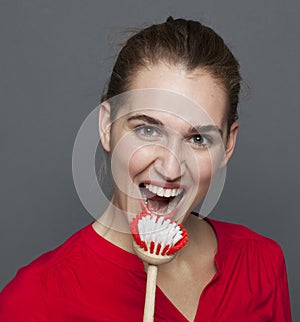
(168, 124)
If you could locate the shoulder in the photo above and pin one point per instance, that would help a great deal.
(27, 292)
(253, 264)
(237, 232)
(244, 243)
(24, 295)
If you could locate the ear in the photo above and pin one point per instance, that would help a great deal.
(230, 143)
(105, 125)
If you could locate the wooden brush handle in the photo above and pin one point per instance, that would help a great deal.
(150, 293)
(153, 260)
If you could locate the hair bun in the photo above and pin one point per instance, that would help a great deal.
(170, 19)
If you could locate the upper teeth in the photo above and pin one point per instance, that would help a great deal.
(163, 192)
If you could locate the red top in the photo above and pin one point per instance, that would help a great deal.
(89, 279)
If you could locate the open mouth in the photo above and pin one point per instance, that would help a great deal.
(159, 200)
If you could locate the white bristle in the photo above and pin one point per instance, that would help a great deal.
(160, 231)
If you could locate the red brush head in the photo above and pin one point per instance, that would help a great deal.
(157, 237)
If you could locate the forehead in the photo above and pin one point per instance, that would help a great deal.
(195, 91)
(166, 106)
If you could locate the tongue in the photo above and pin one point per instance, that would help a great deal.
(158, 204)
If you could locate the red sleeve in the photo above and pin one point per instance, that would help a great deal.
(23, 299)
(282, 308)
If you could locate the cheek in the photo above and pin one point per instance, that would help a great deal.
(200, 167)
(201, 174)
(141, 160)
(204, 171)
(209, 162)
(127, 163)
(122, 155)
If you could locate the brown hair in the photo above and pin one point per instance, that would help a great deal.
(187, 43)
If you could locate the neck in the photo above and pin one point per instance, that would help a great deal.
(113, 226)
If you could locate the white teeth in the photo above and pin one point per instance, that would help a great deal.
(163, 192)
(167, 193)
(160, 192)
(154, 189)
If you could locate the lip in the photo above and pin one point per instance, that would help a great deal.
(164, 185)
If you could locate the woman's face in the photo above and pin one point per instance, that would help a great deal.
(168, 141)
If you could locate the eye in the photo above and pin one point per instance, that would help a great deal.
(199, 141)
(147, 131)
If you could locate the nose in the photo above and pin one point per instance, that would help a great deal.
(170, 163)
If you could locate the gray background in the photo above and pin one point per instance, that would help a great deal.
(55, 59)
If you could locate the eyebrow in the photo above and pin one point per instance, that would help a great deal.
(206, 128)
(197, 128)
(145, 118)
